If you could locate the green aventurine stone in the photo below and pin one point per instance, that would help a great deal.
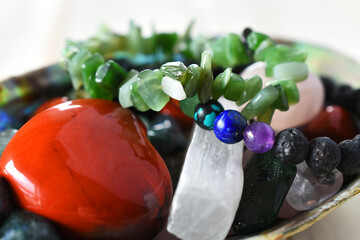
(206, 78)
(125, 89)
(191, 84)
(254, 39)
(150, 90)
(229, 51)
(261, 102)
(175, 70)
(89, 68)
(109, 76)
(267, 182)
(281, 102)
(296, 71)
(136, 99)
(188, 105)
(251, 87)
(234, 88)
(267, 116)
(75, 67)
(290, 88)
(220, 83)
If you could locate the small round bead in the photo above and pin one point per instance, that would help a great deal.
(324, 155)
(291, 146)
(229, 126)
(259, 137)
(350, 157)
(205, 113)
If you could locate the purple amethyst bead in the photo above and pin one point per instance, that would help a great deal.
(259, 137)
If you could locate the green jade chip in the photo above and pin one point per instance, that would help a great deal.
(296, 71)
(206, 78)
(281, 102)
(175, 70)
(251, 87)
(125, 89)
(150, 90)
(220, 83)
(75, 67)
(267, 116)
(191, 84)
(234, 88)
(136, 99)
(290, 89)
(188, 105)
(109, 76)
(89, 68)
(261, 102)
(254, 39)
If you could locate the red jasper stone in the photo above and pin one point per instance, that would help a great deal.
(50, 103)
(88, 166)
(334, 122)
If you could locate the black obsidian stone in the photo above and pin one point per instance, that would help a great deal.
(205, 113)
(350, 157)
(23, 225)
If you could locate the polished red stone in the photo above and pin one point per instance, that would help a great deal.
(49, 103)
(334, 122)
(88, 166)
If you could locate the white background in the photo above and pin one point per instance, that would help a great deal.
(33, 34)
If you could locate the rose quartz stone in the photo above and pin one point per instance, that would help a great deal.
(311, 102)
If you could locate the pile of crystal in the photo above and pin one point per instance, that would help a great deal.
(209, 190)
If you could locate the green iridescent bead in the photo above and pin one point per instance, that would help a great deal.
(290, 88)
(229, 51)
(191, 84)
(175, 70)
(220, 83)
(109, 76)
(125, 89)
(75, 67)
(234, 87)
(251, 87)
(206, 79)
(261, 102)
(188, 105)
(150, 90)
(296, 71)
(281, 102)
(89, 68)
(254, 39)
(136, 99)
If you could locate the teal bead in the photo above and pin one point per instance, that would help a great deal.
(290, 88)
(220, 83)
(192, 80)
(234, 88)
(205, 113)
(151, 91)
(188, 105)
(206, 78)
(254, 39)
(261, 102)
(296, 71)
(109, 76)
(281, 102)
(75, 67)
(89, 68)
(229, 51)
(251, 87)
(174, 70)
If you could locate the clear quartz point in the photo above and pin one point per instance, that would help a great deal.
(209, 190)
(306, 192)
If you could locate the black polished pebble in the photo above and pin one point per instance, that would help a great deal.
(324, 155)
(291, 146)
(205, 113)
(350, 157)
(6, 205)
(23, 225)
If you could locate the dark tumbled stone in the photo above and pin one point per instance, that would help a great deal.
(24, 225)
(324, 155)
(350, 157)
(5, 200)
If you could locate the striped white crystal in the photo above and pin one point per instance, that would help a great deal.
(209, 190)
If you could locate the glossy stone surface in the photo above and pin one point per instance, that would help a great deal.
(306, 192)
(24, 225)
(259, 137)
(49, 103)
(87, 165)
(209, 189)
(205, 113)
(334, 122)
(267, 182)
(310, 104)
(229, 126)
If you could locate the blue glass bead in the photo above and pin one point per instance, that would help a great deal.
(229, 126)
(259, 137)
(205, 113)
